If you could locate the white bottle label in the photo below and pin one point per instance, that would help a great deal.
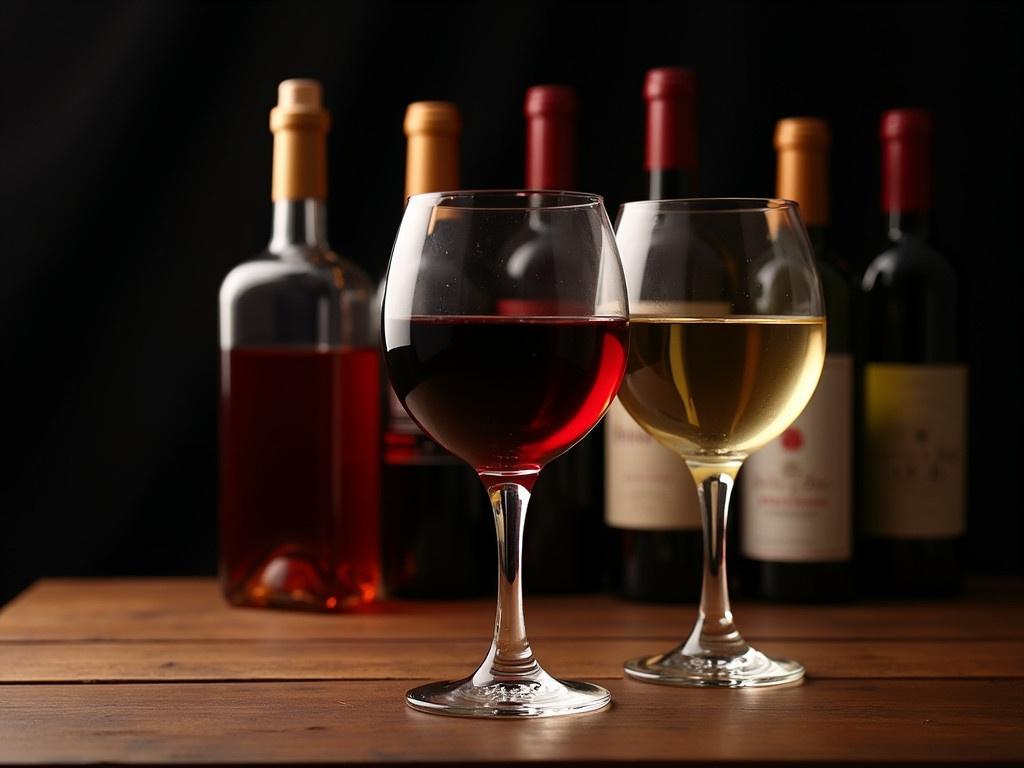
(797, 490)
(647, 486)
(916, 418)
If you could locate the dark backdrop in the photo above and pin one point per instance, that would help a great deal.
(136, 173)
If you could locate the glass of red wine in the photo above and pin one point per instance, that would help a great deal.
(505, 330)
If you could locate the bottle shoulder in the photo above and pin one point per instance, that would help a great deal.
(267, 272)
(314, 269)
(355, 278)
(909, 261)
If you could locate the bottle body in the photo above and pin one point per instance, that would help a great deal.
(797, 535)
(914, 411)
(650, 497)
(432, 503)
(299, 397)
(299, 409)
(565, 539)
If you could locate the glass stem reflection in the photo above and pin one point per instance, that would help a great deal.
(510, 656)
(714, 634)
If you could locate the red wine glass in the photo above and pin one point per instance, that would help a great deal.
(504, 330)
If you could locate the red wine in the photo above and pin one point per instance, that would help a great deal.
(300, 398)
(914, 415)
(650, 495)
(299, 476)
(507, 394)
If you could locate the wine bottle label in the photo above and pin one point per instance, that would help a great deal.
(916, 418)
(797, 490)
(647, 486)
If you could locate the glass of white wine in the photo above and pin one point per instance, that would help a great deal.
(726, 343)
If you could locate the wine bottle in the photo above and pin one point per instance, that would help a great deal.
(797, 514)
(565, 509)
(915, 386)
(437, 531)
(299, 403)
(649, 493)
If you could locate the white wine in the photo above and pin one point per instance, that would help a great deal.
(721, 387)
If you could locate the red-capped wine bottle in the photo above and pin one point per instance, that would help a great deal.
(797, 514)
(299, 396)
(915, 413)
(437, 529)
(565, 542)
(650, 496)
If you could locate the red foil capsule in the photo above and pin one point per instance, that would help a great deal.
(550, 137)
(671, 96)
(906, 160)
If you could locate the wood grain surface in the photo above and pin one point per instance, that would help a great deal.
(163, 672)
(366, 721)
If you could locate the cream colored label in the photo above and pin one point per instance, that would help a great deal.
(916, 418)
(647, 486)
(797, 489)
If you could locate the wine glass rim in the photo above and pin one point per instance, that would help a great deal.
(695, 205)
(514, 199)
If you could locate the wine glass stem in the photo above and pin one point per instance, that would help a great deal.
(510, 656)
(715, 634)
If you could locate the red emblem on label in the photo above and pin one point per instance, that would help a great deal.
(792, 439)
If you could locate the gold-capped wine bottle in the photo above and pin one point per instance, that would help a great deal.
(797, 515)
(299, 395)
(437, 528)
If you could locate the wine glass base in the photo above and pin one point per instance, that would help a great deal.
(751, 669)
(538, 696)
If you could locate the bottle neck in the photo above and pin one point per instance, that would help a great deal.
(802, 175)
(671, 183)
(432, 163)
(299, 224)
(900, 224)
(906, 184)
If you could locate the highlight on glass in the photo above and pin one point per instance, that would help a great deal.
(505, 331)
(727, 341)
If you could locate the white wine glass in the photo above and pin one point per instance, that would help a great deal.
(727, 340)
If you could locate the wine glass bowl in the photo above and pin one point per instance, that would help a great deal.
(505, 331)
(727, 341)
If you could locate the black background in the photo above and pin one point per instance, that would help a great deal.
(136, 172)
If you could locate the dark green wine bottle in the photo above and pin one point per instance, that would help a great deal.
(797, 515)
(914, 423)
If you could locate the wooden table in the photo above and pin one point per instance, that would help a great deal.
(162, 671)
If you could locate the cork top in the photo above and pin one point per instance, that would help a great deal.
(809, 132)
(549, 99)
(674, 83)
(432, 117)
(299, 95)
(899, 123)
(299, 123)
(299, 106)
